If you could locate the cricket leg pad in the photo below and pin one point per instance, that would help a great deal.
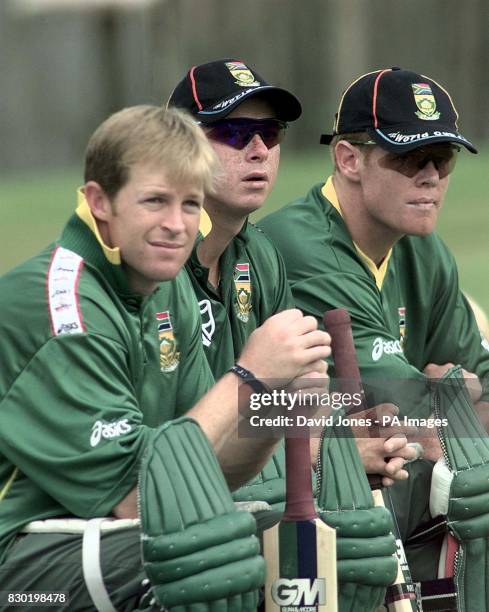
(199, 553)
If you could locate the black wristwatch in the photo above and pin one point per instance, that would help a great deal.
(250, 379)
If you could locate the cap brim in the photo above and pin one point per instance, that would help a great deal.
(405, 139)
(287, 107)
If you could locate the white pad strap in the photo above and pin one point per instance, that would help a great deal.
(92, 572)
(441, 481)
(74, 526)
(252, 506)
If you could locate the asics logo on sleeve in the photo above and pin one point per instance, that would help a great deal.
(389, 347)
(101, 429)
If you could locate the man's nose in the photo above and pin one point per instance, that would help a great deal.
(429, 173)
(172, 218)
(256, 148)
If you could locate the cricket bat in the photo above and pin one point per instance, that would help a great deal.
(401, 595)
(300, 552)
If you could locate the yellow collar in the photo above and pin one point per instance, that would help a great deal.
(329, 192)
(205, 225)
(83, 211)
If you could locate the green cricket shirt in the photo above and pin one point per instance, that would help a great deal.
(88, 370)
(405, 314)
(253, 286)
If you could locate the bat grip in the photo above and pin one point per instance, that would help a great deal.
(375, 481)
(299, 502)
(338, 324)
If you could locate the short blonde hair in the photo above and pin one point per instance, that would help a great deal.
(147, 134)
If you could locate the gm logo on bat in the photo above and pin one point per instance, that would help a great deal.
(299, 592)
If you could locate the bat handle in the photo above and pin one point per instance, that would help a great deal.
(299, 501)
(375, 481)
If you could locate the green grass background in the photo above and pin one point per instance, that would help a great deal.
(34, 207)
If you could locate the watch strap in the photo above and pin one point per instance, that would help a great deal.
(249, 378)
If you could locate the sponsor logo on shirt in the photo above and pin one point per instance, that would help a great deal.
(169, 353)
(101, 429)
(208, 322)
(242, 285)
(389, 347)
(62, 285)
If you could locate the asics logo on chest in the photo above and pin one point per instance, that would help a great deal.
(107, 431)
(389, 347)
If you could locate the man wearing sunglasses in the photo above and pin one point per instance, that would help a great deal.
(237, 274)
(365, 241)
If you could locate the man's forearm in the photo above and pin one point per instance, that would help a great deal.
(218, 413)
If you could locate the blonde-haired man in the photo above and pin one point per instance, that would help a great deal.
(371, 247)
(101, 345)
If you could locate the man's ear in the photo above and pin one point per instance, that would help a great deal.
(98, 201)
(348, 159)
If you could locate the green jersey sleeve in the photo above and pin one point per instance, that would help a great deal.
(71, 424)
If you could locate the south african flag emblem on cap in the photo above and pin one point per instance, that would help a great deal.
(242, 74)
(425, 101)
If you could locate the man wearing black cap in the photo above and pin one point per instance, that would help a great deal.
(237, 274)
(364, 240)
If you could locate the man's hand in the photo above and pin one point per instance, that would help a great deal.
(287, 346)
(387, 453)
(474, 387)
(386, 457)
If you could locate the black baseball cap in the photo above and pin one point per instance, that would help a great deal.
(399, 109)
(211, 91)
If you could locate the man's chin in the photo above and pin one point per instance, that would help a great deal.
(247, 208)
(423, 231)
(165, 273)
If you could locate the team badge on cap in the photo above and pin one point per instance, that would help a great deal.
(425, 101)
(242, 74)
(242, 284)
(169, 354)
(400, 110)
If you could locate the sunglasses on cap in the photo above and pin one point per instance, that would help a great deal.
(238, 132)
(409, 164)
